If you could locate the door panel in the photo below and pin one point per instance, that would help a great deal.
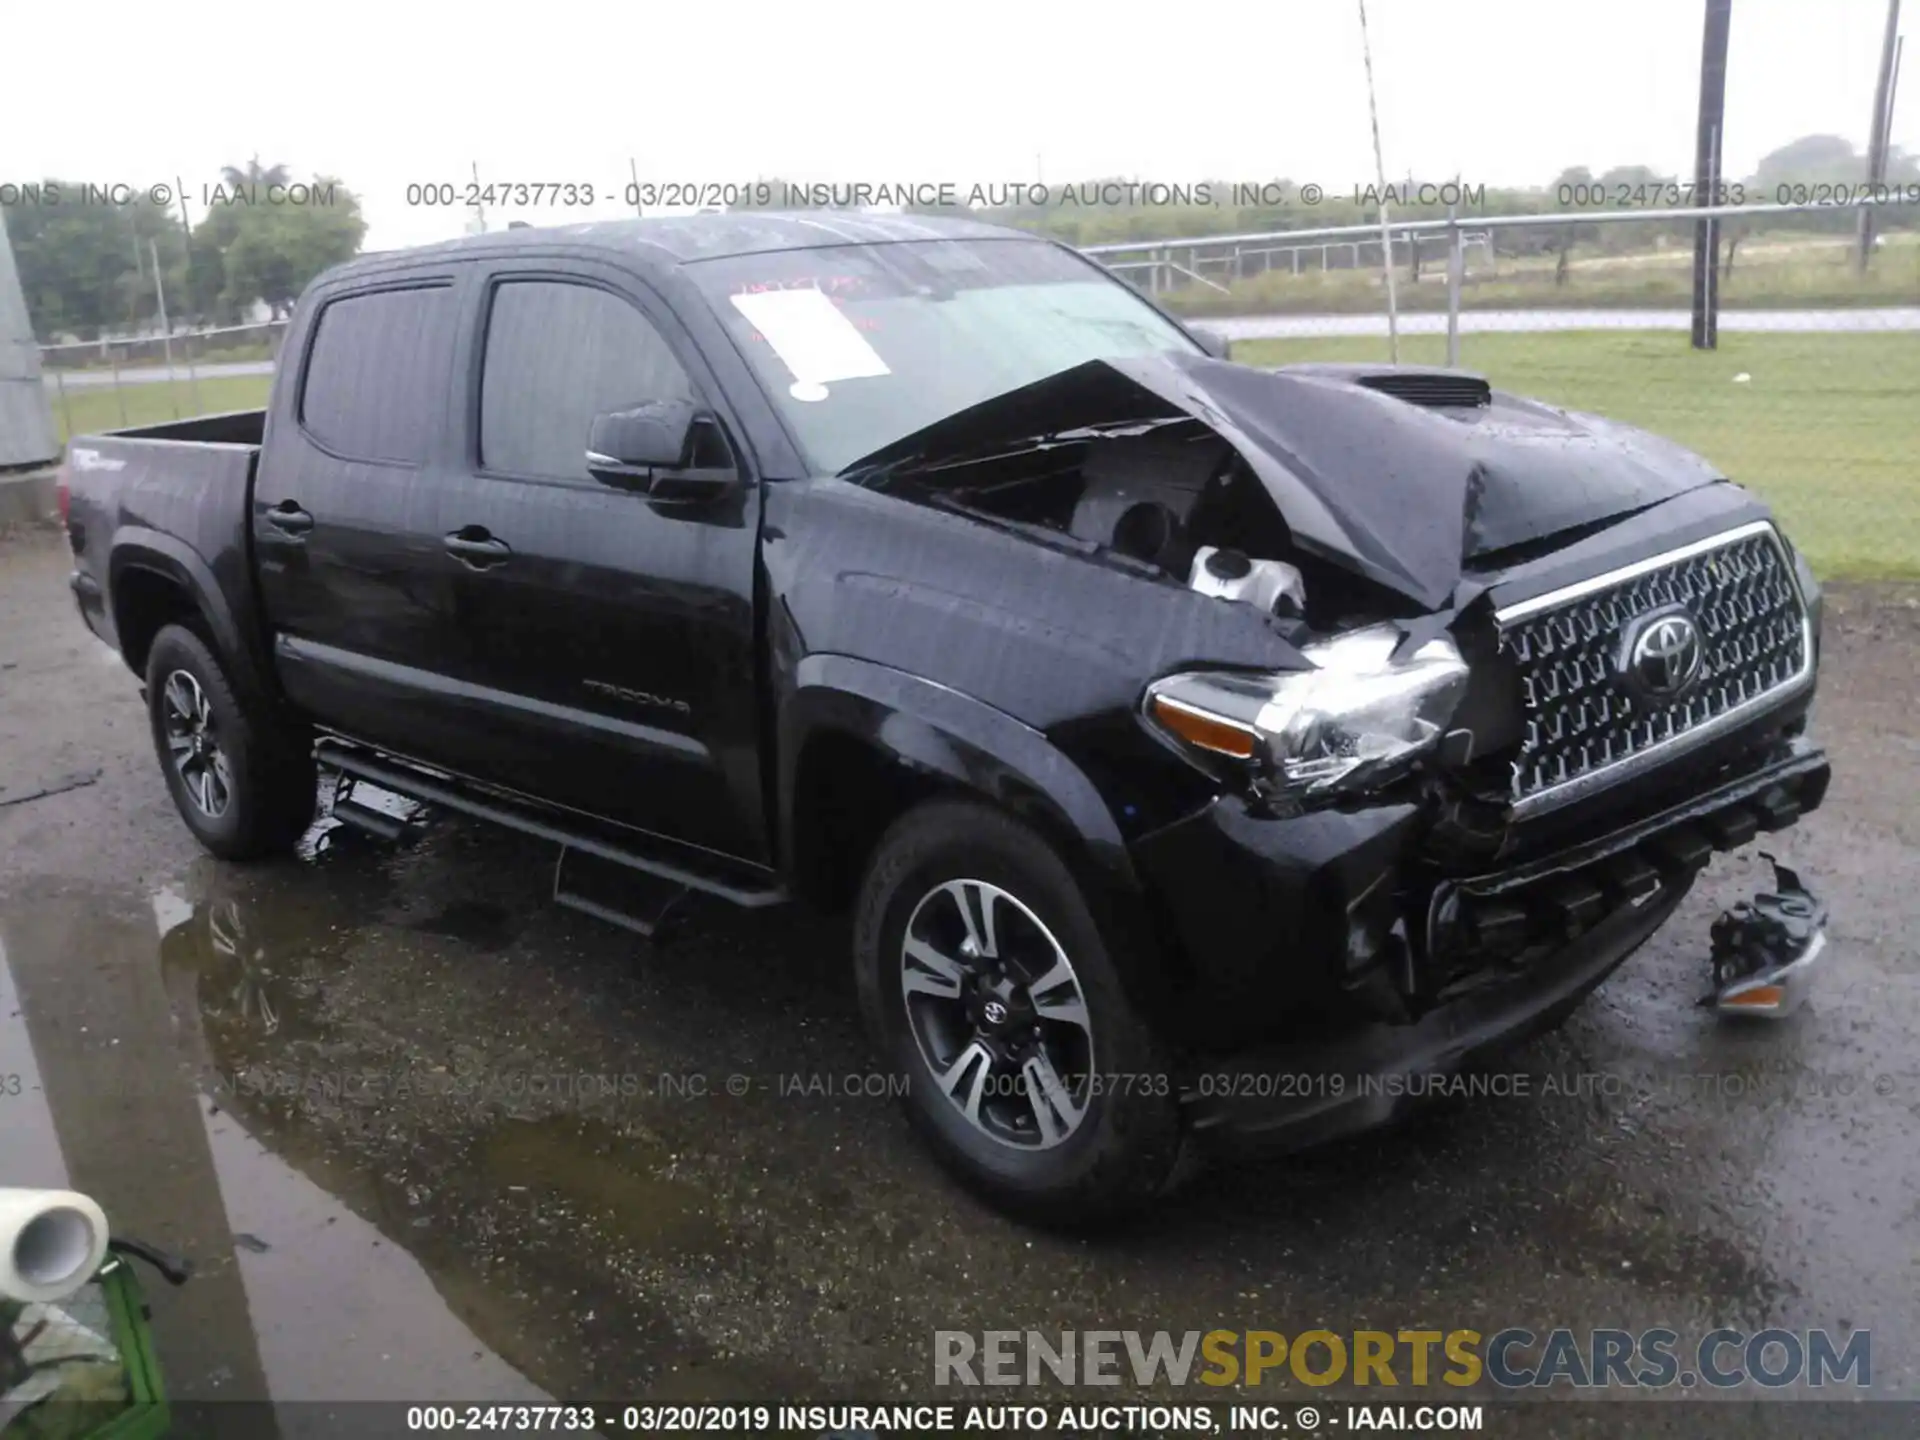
(611, 638)
(343, 488)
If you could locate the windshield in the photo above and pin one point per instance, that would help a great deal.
(860, 345)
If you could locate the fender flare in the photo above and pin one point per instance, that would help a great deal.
(135, 547)
(930, 728)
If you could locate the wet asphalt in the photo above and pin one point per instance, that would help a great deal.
(428, 1136)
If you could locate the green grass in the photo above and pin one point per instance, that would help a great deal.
(87, 410)
(1827, 427)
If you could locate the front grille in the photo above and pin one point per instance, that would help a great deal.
(1587, 724)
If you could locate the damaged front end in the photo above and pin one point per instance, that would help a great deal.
(1546, 668)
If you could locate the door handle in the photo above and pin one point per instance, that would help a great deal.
(289, 519)
(474, 547)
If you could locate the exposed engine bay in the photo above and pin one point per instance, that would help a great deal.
(1171, 498)
(1398, 477)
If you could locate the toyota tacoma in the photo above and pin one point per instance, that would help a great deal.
(1206, 754)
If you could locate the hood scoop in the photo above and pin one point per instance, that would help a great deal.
(1433, 389)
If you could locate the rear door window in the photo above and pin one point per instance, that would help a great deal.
(375, 381)
(557, 355)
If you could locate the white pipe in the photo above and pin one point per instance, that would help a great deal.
(51, 1242)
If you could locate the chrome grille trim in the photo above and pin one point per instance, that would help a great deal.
(1538, 801)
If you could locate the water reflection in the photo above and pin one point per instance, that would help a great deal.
(335, 1040)
(126, 1076)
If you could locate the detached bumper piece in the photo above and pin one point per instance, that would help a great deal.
(1764, 949)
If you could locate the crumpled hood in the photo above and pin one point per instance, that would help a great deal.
(1396, 491)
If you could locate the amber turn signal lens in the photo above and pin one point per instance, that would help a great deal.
(1760, 997)
(1208, 732)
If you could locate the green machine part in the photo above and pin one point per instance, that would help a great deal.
(112, 1302)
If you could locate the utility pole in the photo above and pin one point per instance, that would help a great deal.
(479, 209)
(1706, 175)
(166, 326)
(1881, 131)
(1380, 174)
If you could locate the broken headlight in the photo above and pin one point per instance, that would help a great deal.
(1357, 720)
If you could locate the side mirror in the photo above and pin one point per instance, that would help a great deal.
(667, 449)
(1212, 341)
(655, 436)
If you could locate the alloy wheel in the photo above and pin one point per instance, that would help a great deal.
(998, 1012)
(194, 745)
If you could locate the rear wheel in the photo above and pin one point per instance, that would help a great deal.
(242, 776)
(986, 980)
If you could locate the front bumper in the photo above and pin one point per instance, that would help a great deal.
(1288, 1097)
(1343, 978)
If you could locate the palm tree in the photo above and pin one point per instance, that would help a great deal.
(254, 174)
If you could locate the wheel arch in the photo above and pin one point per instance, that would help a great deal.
(155, 580)
(860, 743)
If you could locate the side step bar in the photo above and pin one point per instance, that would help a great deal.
(750, 892)
(621, 896)
(365, 817)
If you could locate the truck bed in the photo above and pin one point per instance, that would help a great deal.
(231, 427)
(173, 499)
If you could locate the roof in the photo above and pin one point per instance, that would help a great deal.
(680, 239)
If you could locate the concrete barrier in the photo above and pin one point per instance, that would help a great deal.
(29, 495)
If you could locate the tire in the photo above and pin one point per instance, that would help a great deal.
(1102, 1143)
(245, 784)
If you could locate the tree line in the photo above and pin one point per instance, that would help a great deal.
(91, 268)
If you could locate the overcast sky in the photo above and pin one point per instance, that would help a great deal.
(1505, 92)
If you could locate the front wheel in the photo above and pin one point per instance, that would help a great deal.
(985, 979)
(241, 776)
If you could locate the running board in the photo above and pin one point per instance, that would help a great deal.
(617, 894)
(752, 892)
(374, 822)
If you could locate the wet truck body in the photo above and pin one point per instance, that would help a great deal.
(1302, 730)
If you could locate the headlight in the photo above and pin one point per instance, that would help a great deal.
(1358, 719)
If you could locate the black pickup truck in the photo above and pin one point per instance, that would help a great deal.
(1205, 752)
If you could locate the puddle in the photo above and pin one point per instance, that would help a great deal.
(481, 924)
(270, 1070)
(605, 1184)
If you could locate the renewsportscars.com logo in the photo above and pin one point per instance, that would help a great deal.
(1513, 1359)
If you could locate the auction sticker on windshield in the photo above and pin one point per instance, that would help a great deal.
(817, 342)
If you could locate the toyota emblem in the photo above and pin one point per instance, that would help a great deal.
(1665, 655)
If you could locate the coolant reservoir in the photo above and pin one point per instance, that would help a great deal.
(1272, 585)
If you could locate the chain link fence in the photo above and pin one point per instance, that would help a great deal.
(122, 380)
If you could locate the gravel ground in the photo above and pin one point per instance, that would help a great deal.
(430, 1137)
